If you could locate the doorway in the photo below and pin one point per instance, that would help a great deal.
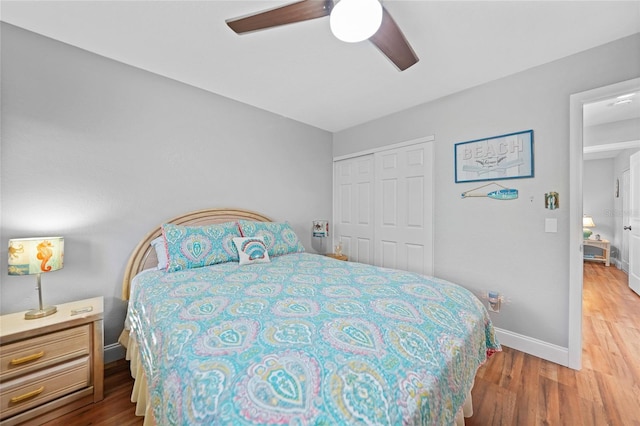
(576, 167)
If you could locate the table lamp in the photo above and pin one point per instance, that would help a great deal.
(587, 222)
(29, 256)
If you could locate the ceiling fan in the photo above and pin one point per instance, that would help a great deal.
(388, 37)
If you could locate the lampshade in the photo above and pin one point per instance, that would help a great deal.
(355, 20)
(29, 256)
(587, 222)
(321, 228)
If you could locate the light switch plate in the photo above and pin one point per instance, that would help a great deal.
(551, 225)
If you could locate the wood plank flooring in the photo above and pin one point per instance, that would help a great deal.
(513, 388)
(116, 409)
(518, 389)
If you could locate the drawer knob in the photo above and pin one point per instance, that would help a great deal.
(33, 357)
(27, 395)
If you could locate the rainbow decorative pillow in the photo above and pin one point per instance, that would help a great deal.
(197, 246)
(278, 236)
(251, 250)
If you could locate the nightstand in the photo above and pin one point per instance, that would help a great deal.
(606, 251)
(336, 256)
(52, 365)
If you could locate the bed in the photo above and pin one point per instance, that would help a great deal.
(297, 338)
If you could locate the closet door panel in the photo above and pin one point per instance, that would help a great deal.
(389, 202)
(353, 207)
(345, 204)
(364, 201)
(415, 202)
(365, 250)
(389, 254)
(403, 230)
(415, 258)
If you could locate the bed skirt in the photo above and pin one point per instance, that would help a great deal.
(140, 393)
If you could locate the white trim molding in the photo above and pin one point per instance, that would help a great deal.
(430, 138)
(616, 146)
(576, 149)
(535, 347)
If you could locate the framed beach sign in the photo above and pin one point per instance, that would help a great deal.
(507, 156)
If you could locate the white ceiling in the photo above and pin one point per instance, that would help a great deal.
(612, 111)
(302, 72)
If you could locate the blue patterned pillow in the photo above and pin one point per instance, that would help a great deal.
(251, 250)
(197, 246)
(278, 236)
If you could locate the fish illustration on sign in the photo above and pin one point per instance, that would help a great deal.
(504, 194)
(500, 194)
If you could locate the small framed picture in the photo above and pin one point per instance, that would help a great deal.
(551, 200)
(507, 156)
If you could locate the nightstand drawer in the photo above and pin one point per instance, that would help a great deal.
(42, 386)
(29, 355)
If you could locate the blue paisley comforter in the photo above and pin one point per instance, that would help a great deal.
(307, 339)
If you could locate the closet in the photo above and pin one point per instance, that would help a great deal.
(383, 207)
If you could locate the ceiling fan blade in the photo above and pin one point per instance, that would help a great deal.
(288, 14)
(390, 40)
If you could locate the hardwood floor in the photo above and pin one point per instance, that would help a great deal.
(518, 389)
(116, 409)
(513, 388)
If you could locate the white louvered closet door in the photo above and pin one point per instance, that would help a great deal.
(404, 208)
(353, 207)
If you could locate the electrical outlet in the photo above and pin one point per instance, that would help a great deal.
(494, 301)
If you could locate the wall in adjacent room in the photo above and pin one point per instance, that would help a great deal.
(598, 199)
(100, 153)
(485, 244)
(617, 131)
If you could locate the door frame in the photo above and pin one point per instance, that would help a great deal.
(625, 194)
(576, 104)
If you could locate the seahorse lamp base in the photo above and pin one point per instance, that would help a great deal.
(44, 311)
(39, 313)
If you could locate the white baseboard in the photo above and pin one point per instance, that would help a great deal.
(116, 351)
(531, 346)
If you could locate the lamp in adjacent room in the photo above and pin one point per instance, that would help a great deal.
(36, 256)
(587, 222)
(355, 20)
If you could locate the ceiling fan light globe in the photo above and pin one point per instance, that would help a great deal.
(352, 21)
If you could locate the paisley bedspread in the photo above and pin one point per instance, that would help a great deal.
(307, 339)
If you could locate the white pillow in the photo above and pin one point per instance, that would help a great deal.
(160, 247)
(251, 250)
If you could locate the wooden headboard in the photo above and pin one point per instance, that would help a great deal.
(144, 257)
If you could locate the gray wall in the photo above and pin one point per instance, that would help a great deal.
(618, 131)
(598, 199)
(486, 244)
(100, 153)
